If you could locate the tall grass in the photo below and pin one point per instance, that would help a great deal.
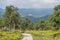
(45, 35)
(5, 35)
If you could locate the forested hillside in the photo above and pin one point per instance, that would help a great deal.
(12, 19)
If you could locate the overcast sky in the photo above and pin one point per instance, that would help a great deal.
(30, 3)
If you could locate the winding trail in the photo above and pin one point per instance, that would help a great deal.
(27, 36)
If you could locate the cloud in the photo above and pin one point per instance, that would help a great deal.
(29, 14)
(49, 1)
(30, 3)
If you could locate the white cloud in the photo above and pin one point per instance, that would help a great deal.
(49, 1)
(33, 0)
(35, 6)
(29, 14)
(30, 3)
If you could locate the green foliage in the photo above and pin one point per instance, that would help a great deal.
(35, 26)
(42, 24)
(1, 23)
(11, 18)
(26, 24)
(54, 19)
(57, 8)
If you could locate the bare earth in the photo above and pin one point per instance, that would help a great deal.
(27, 36)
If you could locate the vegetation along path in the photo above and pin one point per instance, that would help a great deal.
(27, 36)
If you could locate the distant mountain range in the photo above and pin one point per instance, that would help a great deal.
(1, 12)
(34, 19)
(36, 14)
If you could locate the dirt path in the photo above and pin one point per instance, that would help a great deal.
(27, 36)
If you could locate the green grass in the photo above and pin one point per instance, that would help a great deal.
(44, 35)
(6, 35)
(37, 35)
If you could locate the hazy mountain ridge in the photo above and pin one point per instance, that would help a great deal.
(37, 14)
(1, 12)
(34, 19)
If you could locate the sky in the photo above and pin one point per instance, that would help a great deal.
(30, 3)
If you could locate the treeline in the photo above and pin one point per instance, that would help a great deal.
(11, 19)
